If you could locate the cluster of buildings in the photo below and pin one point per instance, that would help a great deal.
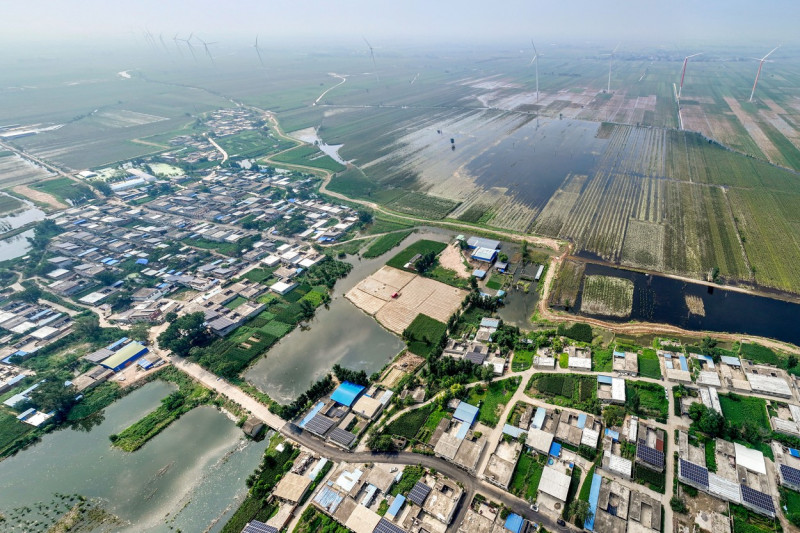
(27, 327)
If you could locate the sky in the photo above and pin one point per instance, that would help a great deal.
(411, 21)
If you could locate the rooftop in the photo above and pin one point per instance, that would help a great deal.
(555, 483)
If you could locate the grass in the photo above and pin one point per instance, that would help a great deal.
(652, 399)
(259, 275)
(382, 225)
(411, 474)
(522, 360)
(385, 243)
(655, 480)
(309, 156)
(567, 390)
(9, 204)
(422, 205)
(236, 302)
(408, 424)
(527, 474)
(420, 247)
(602, 360)
(315, 521)
(739, 409)
(424, 334)
(608, 296)
(12, 433)
(492, 399)
(649, 366)
(94, 400)
(759, 354)
(63, 189)
(496, 282)
(711, 458)
(745, 521)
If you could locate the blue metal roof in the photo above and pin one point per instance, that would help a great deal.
(490, 322)
(684, 364)
(619, 354)
(142, 261)
(311, 414)
(581, 420)
(613, 434)
(466, 413)
(514, 523)
(397, 504)
(514, 431)
(794, 452)
(594, 495)
(605, 380)
(462, 431)
(486, 255)
(555, 449)
(346, 393)
(114, 345)
(538, 418)
(730, 361)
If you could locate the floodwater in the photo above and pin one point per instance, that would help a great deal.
(662, 299)
(309, 135)
(341, 334)
(518, 307)
(18, 245)
(533, 161)
(190, 477)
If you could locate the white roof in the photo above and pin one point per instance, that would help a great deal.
(769, 385)
(712, 393)
(580, 362)
(618, 389)
(539, 440)
(723, 488)
(347, 480)
(43, 332)
(541, 360)
(795, 410)
(555, 483)
(620, 465)
(271, 260)
(633, 429)
(752, 460)
(590, 437)
(706, 377)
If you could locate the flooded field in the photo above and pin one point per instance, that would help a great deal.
(187, 478)
(698, 307)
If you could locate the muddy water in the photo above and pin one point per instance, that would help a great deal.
(341, 334)
(187, 478)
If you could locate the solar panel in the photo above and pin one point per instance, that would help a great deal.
(259, 527)
(694, 473)
(419, 493)
(758, 499)
(650, 455)
(340, 436)
(384, 526)
(476, 358)
(791, 475)
(319, 425)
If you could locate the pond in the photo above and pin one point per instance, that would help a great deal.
(340, 334)
(663, 300)
(18, 245)
(189, 477)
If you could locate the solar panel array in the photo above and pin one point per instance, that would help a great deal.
(340, 436)
(694, 473)
(384, 526)
(757, 499)
(791, 475)
(476, 358)
(319, 424)
(419, 493)
(650, 455)
(259, 527)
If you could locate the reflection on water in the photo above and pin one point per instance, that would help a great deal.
(18, 245)
(185, 478)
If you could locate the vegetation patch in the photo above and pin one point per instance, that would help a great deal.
(522, 360)
(385, 243)
(315, 521)
(564, 292)
(739, 410)
(655, 480)
(408, 424)
(568, 390)
(422, 205)
(492, 398)
(579, 331)
(527, 474)
(309, 156)
(649, 365)
(424, 335)
(602, 360)
(646, 399)
(607, 296)
(418, 248)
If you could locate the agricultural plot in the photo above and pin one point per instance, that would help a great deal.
(385, 243)
(527, 474)
(309, 156)
(739, 410)
(607, 296)
(424, 334)
(492, 398)
(646, 399)
(522, 360)
(9, 204)
(568, 390)
(420, 247)
(17, 171)
(408, 424)
(649, 365)
(567, 284)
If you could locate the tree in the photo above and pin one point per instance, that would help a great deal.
(185, 333)
(678, 505)
(87, 326)
(30, 294)
(425, 262)
(580, 510)
(613, 415)
(503, 258)
(53, 395)
(707, 345)
(791, 362)
(365, 217)
(696, 411)
(106, 277)
(103, 187)
(711, 423)
(140, 331)
(473, 283)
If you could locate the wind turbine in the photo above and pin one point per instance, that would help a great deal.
(258, 51)
(535, 57)
(175, 40)
(189, 44)
(163, 44)
(611, 62)
(374, 65)
(758, 74)
(208, 52)
(683, 72)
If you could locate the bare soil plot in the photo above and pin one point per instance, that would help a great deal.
(755, 132)
(39, 196)
(451, 258)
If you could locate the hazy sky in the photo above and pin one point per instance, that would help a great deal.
(499, 21)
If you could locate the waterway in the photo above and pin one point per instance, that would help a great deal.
(341, 334)
(663, 300)
(18, 245)
(190, 477)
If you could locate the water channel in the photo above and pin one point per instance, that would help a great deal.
(191, 477)
(340, 334)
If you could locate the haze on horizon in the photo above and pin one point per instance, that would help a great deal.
(411, 22)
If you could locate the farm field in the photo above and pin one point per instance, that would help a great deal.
(9, 204)
(492, 398)
(646, 399)
(522, 360)
(420, 247)
(527, 474)
(424, 334)
(567, 284)
(739, 409)
(567, 390)
(310, 156)
(649, 366)
(17, 171)
(385, 243)
(608, 296)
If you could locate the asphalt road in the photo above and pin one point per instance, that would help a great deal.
(469, 482)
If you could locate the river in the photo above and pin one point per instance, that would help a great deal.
(189, 477)
(663, 300)
(341, 334)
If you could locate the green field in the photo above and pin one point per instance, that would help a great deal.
(309, 156)
(646, 399)
(385, 243)
(607, 296)
(568, 390)
(64, 189)
(649, 366)
(408, 424)
(252, 143)
(655, 480)
(522, 360)
(527, 474)
(12, 432)
(602, 360)
(759, 354)
(424, 334)
(739, 409)
(420, 247)
(492, 399)
(9, 204)
(496, 282)
(259, 275)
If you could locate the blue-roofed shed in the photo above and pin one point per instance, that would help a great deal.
(397, 504)
(478, 273)
(346, 393)
(487, 322)
(514, 523)
(311, 414)
(594, 495)
(486, 255)
(466, 413)
(581, 421)
(684, 364)
(513, 431)
(619, 354)
(555, 449)
(794, 452)
(538, 418)
(730, 361)
(707, 360)
(605, 380)
(142, 261)
(613, 434)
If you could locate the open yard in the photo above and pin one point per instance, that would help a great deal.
(646, 399)
(492, 399)
(607, 296)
